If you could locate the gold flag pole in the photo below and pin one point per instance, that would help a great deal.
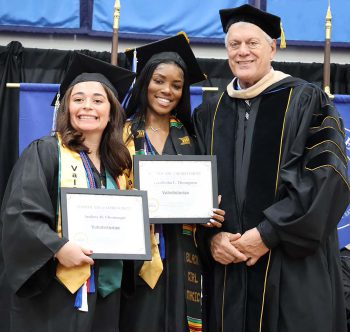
(116, 17)
(327, 52)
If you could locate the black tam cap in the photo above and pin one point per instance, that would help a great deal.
(175, 48)
(269, 23)
(84, 68)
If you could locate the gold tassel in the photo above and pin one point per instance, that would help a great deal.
(185, 34)
(283, 43)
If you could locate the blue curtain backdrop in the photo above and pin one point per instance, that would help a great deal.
(30, 15)
(35, 111)
(342, 103)
(303, 21)
(197, 18)
(36, 115)
(196, 96)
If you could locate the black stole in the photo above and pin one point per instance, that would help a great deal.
(183, 145)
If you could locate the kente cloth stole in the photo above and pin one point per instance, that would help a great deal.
(72, 174)
(136, 145)
(193, 280)
(150, 272)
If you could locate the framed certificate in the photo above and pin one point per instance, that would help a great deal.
(180, 189)
(114, 224)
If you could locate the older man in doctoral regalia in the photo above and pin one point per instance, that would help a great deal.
(282, 174)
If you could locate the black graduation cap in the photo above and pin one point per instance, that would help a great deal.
(269, 23)
(177, 44)
(84, 68)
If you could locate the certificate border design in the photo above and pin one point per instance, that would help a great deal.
(176, 158)
(111, 192)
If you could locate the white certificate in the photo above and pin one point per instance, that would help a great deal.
(112, 223)
(179, 188)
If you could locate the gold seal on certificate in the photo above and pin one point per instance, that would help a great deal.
(114, 224)
(180, 189)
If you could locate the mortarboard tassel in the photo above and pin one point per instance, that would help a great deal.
(57, 105)
(283, 43)
(185, 34)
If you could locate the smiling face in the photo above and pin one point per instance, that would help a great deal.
(89, 108)
(165, 89)
(249, 53)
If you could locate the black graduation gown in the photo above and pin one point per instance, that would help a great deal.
(345, 262)
(162, 309)
(291, 183)
(36, 300)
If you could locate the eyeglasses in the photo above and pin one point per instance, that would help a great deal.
(252, 45)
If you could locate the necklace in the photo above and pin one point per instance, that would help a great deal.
(154, 129)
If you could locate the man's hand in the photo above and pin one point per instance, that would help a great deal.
(223, 251)
(251, 245)
(71, 254)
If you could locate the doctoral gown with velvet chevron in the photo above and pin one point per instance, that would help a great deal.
(283, 171)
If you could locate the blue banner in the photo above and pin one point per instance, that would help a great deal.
(196, 96)
(342, 103)
(305, 20)
(64, 14)
(197, 18)
(35, 111)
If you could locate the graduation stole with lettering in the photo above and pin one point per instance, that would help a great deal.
(72, 174)
(151, 271)
(139, 144)
(193, 279)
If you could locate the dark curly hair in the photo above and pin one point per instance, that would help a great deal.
(113, 153)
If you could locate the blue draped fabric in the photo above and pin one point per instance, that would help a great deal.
(305, 20)
(35, 111)
(342, 103)
(63, 14)
(196, 96)
(151, 20)
(197, 18)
